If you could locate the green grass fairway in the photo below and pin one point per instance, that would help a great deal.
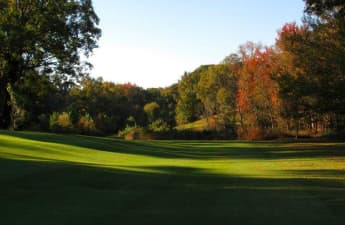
(48, 179)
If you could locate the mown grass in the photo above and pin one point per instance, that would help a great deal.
(199, 125)
(59, 179)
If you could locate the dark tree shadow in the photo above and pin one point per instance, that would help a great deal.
(61, 193)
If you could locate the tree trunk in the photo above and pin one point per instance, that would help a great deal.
(297, 127)
(5, 106)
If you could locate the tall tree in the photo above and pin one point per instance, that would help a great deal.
(217, 90)
(257, 97)
(316, 73)
(295, 83)
(189, 107)
(326, 10)
(47, 37)
(327, 20)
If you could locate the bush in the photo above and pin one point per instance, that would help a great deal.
(53, 121)
(159, 126)
(123, 133)
(135, 133)
(60, 122)
(86, 125)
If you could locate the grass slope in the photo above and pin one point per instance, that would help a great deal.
(59, 179)
(199, 125)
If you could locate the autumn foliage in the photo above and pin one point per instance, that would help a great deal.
(293, 88)
(257, 96)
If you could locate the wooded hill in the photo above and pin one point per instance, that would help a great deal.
(295, 87)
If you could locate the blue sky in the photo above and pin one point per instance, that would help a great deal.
(152, 42)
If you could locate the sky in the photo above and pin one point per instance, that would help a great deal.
(151, 43)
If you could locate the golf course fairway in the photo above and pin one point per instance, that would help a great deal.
(48, 179)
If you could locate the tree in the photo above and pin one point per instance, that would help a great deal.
(327, 20)
(312, 57)
(257, 97)
(189, 107)
(326, 10)
(168, 103)
(46, 37)
(232, 59)
(291, 76)
(38, 97)
(107, 103)
(217, 90)
(226, 101)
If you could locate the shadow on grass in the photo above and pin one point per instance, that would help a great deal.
(193, 149)
(327, 173)
(60, 193)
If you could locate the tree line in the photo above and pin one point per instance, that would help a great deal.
(293, 88)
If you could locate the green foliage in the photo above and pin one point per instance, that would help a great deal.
(124, 132)
(36, 95)
(53, 124)
(107, 124)
(60, 122)
(46, 37)
(326, 11)
(17, 112)
(313, 83)
(5, 106)
(217, 91)
(152, 111)
(167, 102)
(132, 133)
(210, 90)
(189, 107)
(109, 104)
(227, 107)
(260, 92)
(159, 125)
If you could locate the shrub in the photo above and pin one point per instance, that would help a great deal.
(53, 121)
(86, 125)
(60, 122)
(135, 133)
(159, 126)
(123, 133)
